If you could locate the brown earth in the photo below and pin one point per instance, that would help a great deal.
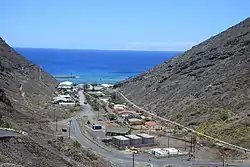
(206, 88)
(25, 95)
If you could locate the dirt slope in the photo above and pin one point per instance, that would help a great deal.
(207, 87)
(25, 93)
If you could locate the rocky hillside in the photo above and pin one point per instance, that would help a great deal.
(206, 88)
(25, 92)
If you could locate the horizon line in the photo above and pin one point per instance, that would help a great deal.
(103, 49)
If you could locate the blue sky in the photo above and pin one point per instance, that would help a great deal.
(117, 24)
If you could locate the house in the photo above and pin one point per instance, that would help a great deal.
(120, 105)
(117, 130)
(57, 100)
(146, 139)
(65, 85)
(97, 88)
(107, 85)
(135, 121)
(124, 113)
(120, 141)
(118, 109)
(153, 125)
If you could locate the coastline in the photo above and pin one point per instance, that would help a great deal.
(82, 80)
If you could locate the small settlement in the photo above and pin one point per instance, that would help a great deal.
(66, 94)
(126, 128)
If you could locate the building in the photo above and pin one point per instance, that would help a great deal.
(63, 100)
(107, 85)
(65, 85)
(171, 151)
(117, 130)
(97, 88)
(147, 139)
(135, 121)
(120, 141)
(120, 105)
(134, 140)
(158, 152)
(124, 113)
(153, 125)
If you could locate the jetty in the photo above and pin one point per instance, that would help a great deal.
(74, 76)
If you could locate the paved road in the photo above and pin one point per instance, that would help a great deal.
(118, 157)
(4, 133)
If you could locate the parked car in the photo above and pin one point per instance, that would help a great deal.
(64, 129)
(85, 102)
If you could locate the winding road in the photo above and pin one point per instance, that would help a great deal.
(119, 158)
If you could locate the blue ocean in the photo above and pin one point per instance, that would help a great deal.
(95, 66)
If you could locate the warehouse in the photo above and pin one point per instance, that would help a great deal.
(146, 139)
(120, 141)
(134, 140)
(117, 130)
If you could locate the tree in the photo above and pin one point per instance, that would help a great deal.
(86, 87)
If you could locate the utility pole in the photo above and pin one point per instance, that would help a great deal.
(168, 140)
(191, 144)
(69, 124)
(185, 144)
(133, 159)
(54, 115)
(56, 124)
(194, 143)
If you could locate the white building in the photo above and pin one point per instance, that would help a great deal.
(171, 151)
(164, 152)
(65, 85)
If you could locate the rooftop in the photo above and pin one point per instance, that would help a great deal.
(151, 123)
(68, 83)
(117, 129)
(134, 120)
(145, 135)
(133, 137)
(120, 137)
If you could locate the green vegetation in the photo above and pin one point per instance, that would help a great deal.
(111, 105)
(112, 117)
(76, 144)
(3, 158)
(223, 114)
(222, 129)
(92, 156)
(75, 108)
(86, 87)
(179, 116)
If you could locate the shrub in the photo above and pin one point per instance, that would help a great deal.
(224, 116)
(76, 144)
(92, 156)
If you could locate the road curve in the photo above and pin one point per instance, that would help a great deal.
(119, 157)
(184, 127)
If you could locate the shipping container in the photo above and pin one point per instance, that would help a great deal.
(97, 127)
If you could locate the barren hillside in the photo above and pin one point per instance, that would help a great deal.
(206, 88)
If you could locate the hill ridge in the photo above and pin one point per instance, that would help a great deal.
(206, 88)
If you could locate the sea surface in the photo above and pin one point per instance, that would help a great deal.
(95, 66)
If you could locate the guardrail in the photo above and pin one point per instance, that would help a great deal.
(182, 126)
(13, 130)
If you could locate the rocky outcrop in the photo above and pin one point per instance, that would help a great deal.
(4, 99)
(206, 88)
